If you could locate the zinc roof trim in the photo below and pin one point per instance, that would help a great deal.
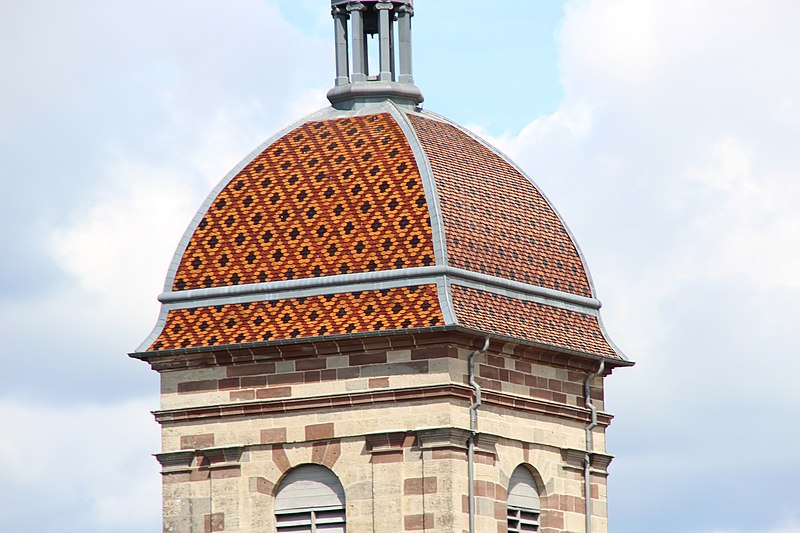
(446, 300)
(522, 291)
(360, 281)
(438, 235)
(310, 290)
(428, 183)
(610, 342)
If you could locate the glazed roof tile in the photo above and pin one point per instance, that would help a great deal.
(496, 221)
(330, 197)
(543, 324)
(309, 227)
(292, 318)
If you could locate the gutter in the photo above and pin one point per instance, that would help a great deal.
(473, 429)
(587, 460)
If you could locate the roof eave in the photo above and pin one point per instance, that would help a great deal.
(356, 340)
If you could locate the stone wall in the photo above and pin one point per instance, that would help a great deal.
(392, 424)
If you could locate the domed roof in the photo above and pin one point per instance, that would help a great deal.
(376, 220)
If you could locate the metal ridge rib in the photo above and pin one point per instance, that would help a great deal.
(457, 274)
(271, 287)
(375, 281)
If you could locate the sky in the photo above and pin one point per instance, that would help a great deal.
(666, 133)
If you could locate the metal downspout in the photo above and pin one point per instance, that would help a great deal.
(587, 460)
(473, 432)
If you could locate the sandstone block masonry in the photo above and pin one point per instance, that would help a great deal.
(389, 417)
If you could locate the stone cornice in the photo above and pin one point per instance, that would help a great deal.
(370, 342)
(426, 394)
(384, 447)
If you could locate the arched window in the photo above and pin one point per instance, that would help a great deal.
(310, 499)
(523, 502)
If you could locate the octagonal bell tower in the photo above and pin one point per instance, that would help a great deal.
(377, 322)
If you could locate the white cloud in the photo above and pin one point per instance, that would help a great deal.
(118, 244)
(673, 159)
(716, 175)
(752, 216)
(622, 47)
(110, 247)
(118, 240)
(85, 462)
(791, 527)
(120, 120)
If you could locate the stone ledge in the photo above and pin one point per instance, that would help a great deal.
(174, 462)
(221, 457)
(207, 459)
(455, 438)
(574, 458)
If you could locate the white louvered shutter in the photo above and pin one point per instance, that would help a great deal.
(524, 507)
(310, 499)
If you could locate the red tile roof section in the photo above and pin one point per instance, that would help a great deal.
(552, 326)
(314, 316)
(496, 222)
(331, 197)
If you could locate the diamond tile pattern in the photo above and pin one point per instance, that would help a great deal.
(544, 324)
(331, 197)
(496, 222)
(315, 316)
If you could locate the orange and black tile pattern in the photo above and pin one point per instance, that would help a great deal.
(331, 197)
(314, 316)
(496, 222)
(532, 321)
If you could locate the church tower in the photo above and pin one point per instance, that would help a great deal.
(377, 323)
